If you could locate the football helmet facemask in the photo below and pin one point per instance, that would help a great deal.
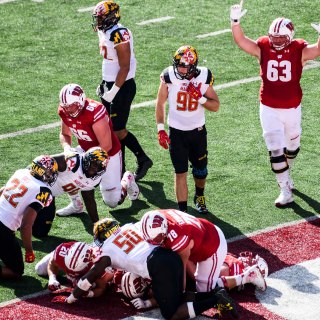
(94, 162)
(72, 99)
(103, 229)
(79, 257)
(106, 14)
(132, 285)
(281, 33)
(154, 227)
(185, 57)
(44, 168)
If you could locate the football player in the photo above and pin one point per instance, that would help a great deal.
(124, 248)
(281, 60)
(189, 92)
(21, 200)
(118, 87)
(200, 244)
(89, 122)
(75, 259)
(83, 172)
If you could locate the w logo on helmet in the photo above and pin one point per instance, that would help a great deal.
(157, 221)
(290, 26)
(77, 91)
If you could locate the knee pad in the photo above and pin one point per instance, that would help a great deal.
(292, 154)
(278, 161)
(200, 173)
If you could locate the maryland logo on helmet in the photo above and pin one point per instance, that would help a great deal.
(45, 168)
(186, 57)
(106, 14)
(103, 229)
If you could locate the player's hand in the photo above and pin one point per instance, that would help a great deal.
(101, 89)
(29, 257)
(236, 12)
(163, 139)
(316, 26)
(194, 91)
(53, 284)
(141, 304)
(59, 299)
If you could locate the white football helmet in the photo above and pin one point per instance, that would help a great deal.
(79, 257)
(281, 33)
(154, 227)
(132, 285)
(72, 99)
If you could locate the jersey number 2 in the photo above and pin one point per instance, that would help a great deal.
(16, 190)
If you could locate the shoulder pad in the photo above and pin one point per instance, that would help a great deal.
(210, 78)
(166, 76)
(73, 161)
(119, 35)
(44, 196)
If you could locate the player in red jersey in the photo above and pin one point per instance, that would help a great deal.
(281, 59)
(89, 122)
(200, 244)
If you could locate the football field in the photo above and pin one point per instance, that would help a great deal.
(47, 44)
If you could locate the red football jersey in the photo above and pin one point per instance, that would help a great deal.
(281, 73)
(81, 126)
(182, 228)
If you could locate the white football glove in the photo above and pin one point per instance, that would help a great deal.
(316, 26)
(107, 95)
(53, 283)
(141, 304)
(236, 12)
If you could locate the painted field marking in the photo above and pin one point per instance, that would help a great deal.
(212, 34)
(86, 9)
(156, 20)
(310, 65)
(6, 1)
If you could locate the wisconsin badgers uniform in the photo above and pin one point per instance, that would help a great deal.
(185, 113)
(81, 126)
(281, 73)
(209, 249)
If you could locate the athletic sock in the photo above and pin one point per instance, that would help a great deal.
(132, 143)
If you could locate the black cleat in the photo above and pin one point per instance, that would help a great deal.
(225, 302)
(200, 203)
(142, 168)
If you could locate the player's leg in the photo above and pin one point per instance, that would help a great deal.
(44, 219)
(41, 267)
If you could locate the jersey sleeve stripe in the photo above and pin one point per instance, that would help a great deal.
(180, 244)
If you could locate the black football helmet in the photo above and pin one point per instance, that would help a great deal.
(44, 168)
(106, 14)
(94, 162)
(186, 57)
(103, 229)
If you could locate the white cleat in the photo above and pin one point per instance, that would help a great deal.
(253, 275)
(129, 183)
(75, 207)
(285, 197)
(291, 184)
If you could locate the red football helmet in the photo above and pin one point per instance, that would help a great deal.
(281, 33)
(79, 257)
(154, 227)
(132, 285)
(72, 99)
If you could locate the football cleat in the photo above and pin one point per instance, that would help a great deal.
(224, 302)
(129, 183)
(142, 168)
(75, 207)
(253, 275)
(285, 197)
(200, 203)
(291, 184)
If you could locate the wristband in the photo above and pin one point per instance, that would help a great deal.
(160, 126)
(84, 285)
(202, 100)
(71, 299)
(52, 277)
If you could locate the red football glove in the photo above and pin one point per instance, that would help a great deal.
(59, 299)
(163, 139)
(29, 257)
(193, 91)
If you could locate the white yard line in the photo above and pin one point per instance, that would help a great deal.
(6, 1)
(311, 65)
(86, 9)
(142, 23)
(212, 34)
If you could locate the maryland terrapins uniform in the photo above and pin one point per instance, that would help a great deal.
(22, 190)
(81, 126)
(108, 40)
(281, 73)
(185, 113)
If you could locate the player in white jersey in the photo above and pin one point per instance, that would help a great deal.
(84, 171)
(21, 200)
(124, 248)
(189, 91)
(118, 87)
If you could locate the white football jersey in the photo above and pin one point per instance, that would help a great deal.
(128, 250)
(21, 190)
(185, 113)
(108, 40)
(73, 179)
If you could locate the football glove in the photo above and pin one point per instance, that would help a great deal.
(105, 94)
(236, 12)
(163, 139)
(141, 304)
(195, 93)
(29, 257)
(59, 299)
(316, 26)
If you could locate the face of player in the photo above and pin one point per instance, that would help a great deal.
(73, 110)
(183, 70)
